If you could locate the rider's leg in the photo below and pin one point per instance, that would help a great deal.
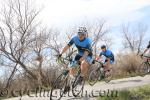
(84, 68)
(107, 65)
(72, 71)
(85, 65)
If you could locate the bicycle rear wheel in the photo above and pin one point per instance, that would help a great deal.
(58, 87)
(77, 87)
(143, 69)
(94, 76)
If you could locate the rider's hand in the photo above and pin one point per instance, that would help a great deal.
(97, 58)
(59, 55)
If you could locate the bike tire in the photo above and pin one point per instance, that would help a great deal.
(94, 76)
(60, 84)
(75, 84)
(143, 69)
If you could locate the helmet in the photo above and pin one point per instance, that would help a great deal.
(103, 46)
(82, 30)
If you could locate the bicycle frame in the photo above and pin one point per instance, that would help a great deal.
(101, 64)
(147, 60)
(74, 84)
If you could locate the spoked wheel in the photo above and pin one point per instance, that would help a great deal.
(59, 87)
(143, 69)
(108, 76)
(77, 86)
(94, 76)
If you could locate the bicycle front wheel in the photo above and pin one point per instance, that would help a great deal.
(58, 87)
(93, 77)
(78, 86)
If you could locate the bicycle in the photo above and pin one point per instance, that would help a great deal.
(99, 74)
(144, 68)
(64, 82)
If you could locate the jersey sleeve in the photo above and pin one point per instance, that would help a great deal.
(71, 42)
(148, 46)
(111, 56)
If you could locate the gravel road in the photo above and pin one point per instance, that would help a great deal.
(99, 89)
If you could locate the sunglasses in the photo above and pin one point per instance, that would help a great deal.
(80, 34)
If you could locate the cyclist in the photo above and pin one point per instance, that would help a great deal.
(148, 48)
(83, 44)
(109, 57)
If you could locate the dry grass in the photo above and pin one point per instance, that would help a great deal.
(126, 65)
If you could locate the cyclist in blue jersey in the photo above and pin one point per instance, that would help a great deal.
(83, 44)
(109, 57)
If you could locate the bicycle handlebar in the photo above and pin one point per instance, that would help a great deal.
(62, 58)
(98, 62)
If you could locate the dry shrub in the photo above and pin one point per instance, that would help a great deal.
(126, 64)
(24, 82)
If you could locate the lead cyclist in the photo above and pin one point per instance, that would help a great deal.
(83, 44)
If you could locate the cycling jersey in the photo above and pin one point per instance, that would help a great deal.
(108, 54)
(84, 45)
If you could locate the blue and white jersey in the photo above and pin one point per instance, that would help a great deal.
(82, 45)
(108, 54)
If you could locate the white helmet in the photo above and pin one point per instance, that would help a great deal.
(82, 30)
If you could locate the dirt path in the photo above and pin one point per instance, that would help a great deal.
(100, 88)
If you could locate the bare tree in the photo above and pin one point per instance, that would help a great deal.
(40, 49)
(17, 33)
(133, 38)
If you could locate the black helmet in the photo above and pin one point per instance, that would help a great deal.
(103, 46)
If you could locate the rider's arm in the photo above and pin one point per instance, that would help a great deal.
(99, 57)
(65, 49)
(88, 50)
(108, 61)
(67, 46)
(86, 53)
